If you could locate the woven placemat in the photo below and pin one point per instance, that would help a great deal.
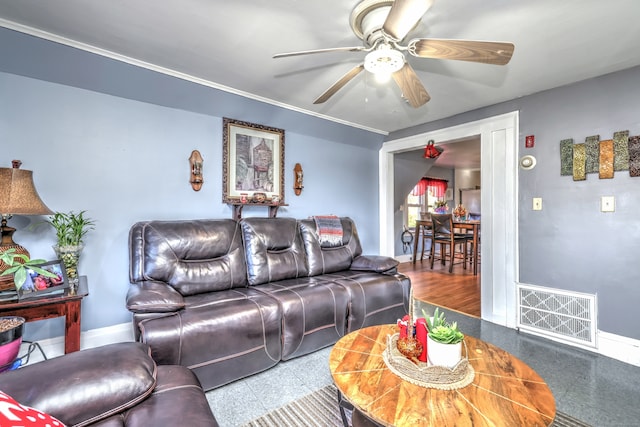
(421, 374)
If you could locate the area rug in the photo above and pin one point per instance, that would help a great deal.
(320, 409)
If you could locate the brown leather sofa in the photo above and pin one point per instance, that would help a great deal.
(111, 386)
(229, 299)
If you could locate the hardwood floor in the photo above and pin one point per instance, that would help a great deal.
(458, 291)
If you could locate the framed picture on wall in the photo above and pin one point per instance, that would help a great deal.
(252, 162)
(448, 194)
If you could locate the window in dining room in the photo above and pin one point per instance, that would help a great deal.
(423, 198)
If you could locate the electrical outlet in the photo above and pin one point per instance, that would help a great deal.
(608, 204)
(537, 203)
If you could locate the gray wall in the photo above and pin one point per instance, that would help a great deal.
(124, 160)
(570, 244)
(407, 172)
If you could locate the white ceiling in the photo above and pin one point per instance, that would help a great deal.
(230, 44)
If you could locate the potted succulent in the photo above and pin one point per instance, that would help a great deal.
(19, 264)
(71, 229)
(444, 341)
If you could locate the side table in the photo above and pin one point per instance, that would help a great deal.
(67, 304)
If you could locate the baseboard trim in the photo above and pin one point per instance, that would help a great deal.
(403, 258)
(54, 347)
(620, 348)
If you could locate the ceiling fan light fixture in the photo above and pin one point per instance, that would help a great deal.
(384, 61)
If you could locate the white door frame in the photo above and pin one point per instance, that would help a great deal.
(499, 192)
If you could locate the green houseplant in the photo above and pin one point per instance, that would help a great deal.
(441, 331)
(444, 340)
(19, 264)
(71, 228)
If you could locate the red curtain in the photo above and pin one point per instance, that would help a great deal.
(437, 187)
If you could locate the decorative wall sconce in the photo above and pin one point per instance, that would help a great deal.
(298, 176)
(195, 160)
(431, 151)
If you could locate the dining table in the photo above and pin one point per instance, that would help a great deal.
(472, 225)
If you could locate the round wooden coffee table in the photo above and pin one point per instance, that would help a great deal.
(504, 392)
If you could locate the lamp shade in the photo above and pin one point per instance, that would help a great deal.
(18, 195)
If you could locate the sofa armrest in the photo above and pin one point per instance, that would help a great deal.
(86, 386)
(379, 264)
(153, 297)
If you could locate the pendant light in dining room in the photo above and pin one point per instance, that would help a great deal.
(431, 151)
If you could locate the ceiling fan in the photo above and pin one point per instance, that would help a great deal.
(383, 25)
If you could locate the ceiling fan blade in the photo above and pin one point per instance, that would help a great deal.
(497, 53)
(333, 49)
(403, 16)
(339, 84)
(411, 87)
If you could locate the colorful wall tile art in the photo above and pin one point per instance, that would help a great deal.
(604, 157)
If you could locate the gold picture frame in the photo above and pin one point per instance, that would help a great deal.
(252, 162)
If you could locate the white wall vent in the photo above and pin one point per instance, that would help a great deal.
(558, 314)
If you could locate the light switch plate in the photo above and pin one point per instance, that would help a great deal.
(608, 204)
(537, 203)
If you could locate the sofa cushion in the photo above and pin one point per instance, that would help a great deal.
(322, 260)
(192, 256)
(177, 400)
(153, 297)
(314, 313)
(273, 248)
(221, 336)
(375, 298)
(86, 386)
(376, 263)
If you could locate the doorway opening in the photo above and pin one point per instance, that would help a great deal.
(498, 137)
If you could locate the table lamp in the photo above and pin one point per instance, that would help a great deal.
(18, 196)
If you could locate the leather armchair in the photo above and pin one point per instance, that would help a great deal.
(109, 386)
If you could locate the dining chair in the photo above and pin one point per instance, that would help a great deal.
(444, 235)
(474, 217)
(427, 233)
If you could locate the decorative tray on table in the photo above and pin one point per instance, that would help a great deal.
(425, 374)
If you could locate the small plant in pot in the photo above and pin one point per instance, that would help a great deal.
(71, 228)
(19, 264)
(444, 340)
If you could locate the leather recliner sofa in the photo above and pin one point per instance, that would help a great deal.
(114, 385)
(231, 298)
